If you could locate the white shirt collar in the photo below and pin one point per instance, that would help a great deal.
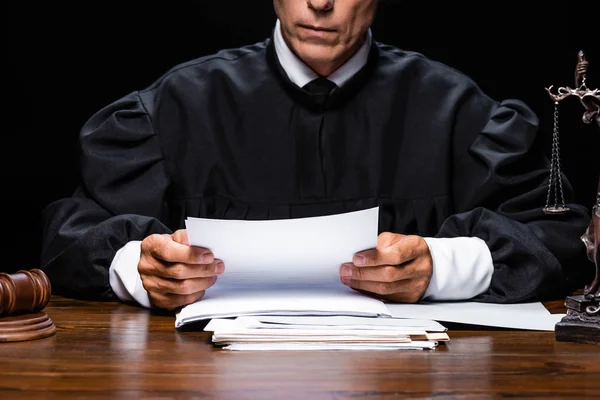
(301, 74)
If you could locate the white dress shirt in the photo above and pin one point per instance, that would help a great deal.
(462, 266)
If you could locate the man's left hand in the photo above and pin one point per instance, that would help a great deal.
(398, 270)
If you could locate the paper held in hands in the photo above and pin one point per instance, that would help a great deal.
(293, 253)
(283, 267)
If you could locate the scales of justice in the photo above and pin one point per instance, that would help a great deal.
(582, 322)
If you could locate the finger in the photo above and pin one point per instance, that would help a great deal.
(174, 301)
(156, 284)
(379, 288)
(165, 248)
(181, 236)
(370, 258)
(181, 271)
(409, 297)
(387, 239)
(406, 248)
(384, 273)
(406, 290)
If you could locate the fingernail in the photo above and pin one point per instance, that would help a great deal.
(345, 280)
(358, 260)
(346, 272)
(219, 268)
(206, 258)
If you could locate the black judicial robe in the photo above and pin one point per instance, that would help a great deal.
(229, 136)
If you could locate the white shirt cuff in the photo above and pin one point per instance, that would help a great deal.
(462, 268)
(124, 278)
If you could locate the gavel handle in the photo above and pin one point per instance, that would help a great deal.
(25, 291)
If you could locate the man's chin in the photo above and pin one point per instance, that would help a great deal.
(312, 53)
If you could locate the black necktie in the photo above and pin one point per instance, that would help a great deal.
(320, 88)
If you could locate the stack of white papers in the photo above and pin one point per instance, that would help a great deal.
(325, 333)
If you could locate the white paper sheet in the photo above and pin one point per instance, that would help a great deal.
(414, 345)
(528, 316)
(293, 252)
(230, 330)
(326, 322)
(226, 302)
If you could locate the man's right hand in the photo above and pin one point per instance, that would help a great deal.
(174, 273)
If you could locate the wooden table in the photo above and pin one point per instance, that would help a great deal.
(112, 350)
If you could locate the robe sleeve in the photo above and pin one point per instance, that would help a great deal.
(500, 181)
(120, 199)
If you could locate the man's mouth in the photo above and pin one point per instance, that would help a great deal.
(317, 28)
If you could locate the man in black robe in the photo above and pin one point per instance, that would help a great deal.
(317, 119)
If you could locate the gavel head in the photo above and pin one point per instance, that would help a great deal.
(23, 292)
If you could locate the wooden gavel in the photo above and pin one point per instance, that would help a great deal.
(23, 292)
(23, 296)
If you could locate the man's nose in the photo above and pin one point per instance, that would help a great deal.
(320, 5)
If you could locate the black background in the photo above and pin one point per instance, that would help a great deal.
(64, 62)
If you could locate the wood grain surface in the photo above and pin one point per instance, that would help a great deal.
(113, 350)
